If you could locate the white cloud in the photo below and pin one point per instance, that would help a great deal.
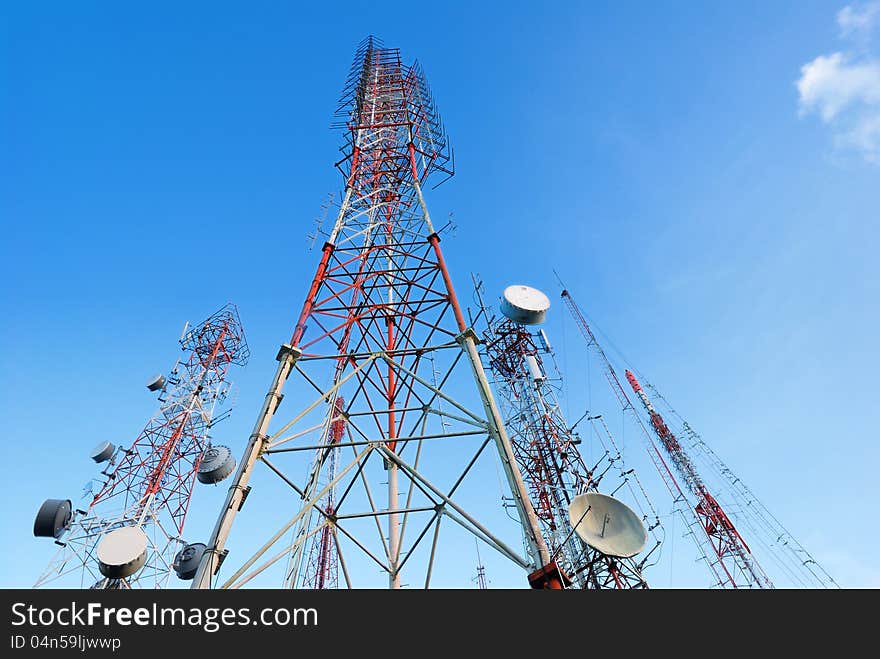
(843, 88)
(857, 21)
(864, 136)
(831, 84)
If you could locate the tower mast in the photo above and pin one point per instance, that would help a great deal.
(146, 488)
(380, 313)
(763, 528)
(734, 557)
(322, 571)
(521, 362)
(704, 539)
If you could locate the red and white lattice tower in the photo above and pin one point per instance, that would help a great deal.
(527, 381)
(720, 546)
(322, 569)
(736, 565)
(148, 485)
(381, 330)
(787, 561)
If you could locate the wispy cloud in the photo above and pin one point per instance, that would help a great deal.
(858, 22)
(844, 87)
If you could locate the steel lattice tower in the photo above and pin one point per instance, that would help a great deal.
(775, 544)
(720, 545)
(322, 569)
(382, 330)
(547, 452)
(735, 565)
(149, 484)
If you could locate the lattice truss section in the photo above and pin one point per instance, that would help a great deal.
(549, 456)
(720, 546)
(150, 483)
(377, 447)
(735, 566)
(776, 547)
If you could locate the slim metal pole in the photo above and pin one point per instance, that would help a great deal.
(393, 527)
(209, 563)
(537, 546)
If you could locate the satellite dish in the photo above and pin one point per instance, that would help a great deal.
(122, 552)
(524, 304)
(53, 518)
(607, 524)
(156, 383)
(102, 452)
(217, 463)
(186, 563)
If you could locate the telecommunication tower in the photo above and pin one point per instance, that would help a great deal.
(374, 453)
(131, 532)
(322, 570)
(722, 548)
(712, 553)
(735, 561)
(770, 540)
(527, 382)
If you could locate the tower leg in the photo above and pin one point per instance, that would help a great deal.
(393, 527)
(467, 339)
(537, 547)
(287, 357)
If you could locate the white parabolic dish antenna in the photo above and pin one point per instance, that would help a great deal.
(122, 552)
(607, 524)
(102, 452)
(524, 304)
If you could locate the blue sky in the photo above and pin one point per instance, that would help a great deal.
(704, 178)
